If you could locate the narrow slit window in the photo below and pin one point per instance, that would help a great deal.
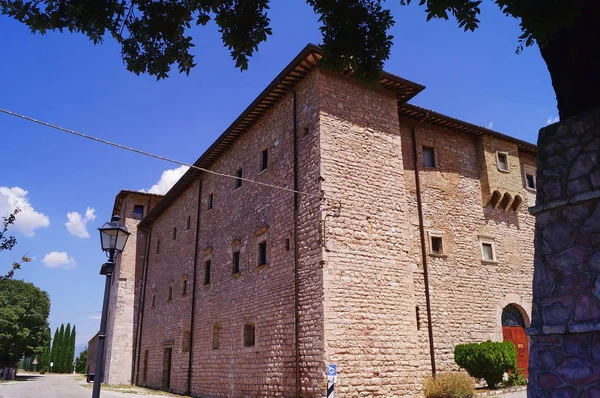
(170, 293)
(188, 223)
(487, 251)
(530, 178)
(211, 201)
(428, 157)
(502, 161)
(264, 160)
(216, 337)
(238, 181)
(153, 300)
(157, 246)
(184, 289)
(236, 262)
(186, 341)
(138, 212)
(287, 244)
(262, 253)
(249, 335)
(174, 233)
(207, 266)
(418, 316)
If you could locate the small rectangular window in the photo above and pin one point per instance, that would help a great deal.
(530, 178)
(138, 212)
(216, 337)
(211, 201)
(153, 300)
(207, 266)
(436, 245)
(184, 290)
(157, 246)
(262, 253)
(236, 262)
(249, 335)
(487, 251)
(502, 158)
(170, 297)
(428, 157)
(287, 244)
(264, 160)
(187, 225)
(238, 181)
(174, 233)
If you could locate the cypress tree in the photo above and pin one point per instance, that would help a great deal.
(54, 350)
(66, 348)
(44, 361)
(72, 350)
(59, 348)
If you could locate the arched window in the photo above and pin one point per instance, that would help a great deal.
(511, 316)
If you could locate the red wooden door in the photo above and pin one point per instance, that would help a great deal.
(517, 335)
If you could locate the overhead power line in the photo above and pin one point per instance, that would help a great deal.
(138, 151)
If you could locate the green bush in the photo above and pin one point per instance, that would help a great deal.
(516, 378)
(449, 385)
(488, 360)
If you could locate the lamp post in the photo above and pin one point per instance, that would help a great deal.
(113, 237)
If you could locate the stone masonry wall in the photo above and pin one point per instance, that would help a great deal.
(370, 330)
(170, 262)
(467, 294)
(123, 304)
(260, 295)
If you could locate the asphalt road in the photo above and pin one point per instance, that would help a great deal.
(56, 386)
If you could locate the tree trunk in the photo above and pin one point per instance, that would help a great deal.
(565, 327)
(573, 59)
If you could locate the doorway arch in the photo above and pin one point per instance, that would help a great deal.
(513, 329)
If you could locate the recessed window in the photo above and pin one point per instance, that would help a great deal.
(211, 201)
(487, 251)
(287, 244)
(138, 212)
(428, 157)
(216, 337)
(418, 315)
(174, 233)
(184, 289)
(186, 341)
(157, 246)
(264, 160)
(188, 223)
(502, 161)
(170, 297)
(238, 181)
(306, 131)
(249, 335)
(207, 266)
(530, 178)
(262, 253)
(153, 300)
(236, 262)
(436, 245)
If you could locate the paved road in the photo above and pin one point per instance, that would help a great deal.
(56, 386)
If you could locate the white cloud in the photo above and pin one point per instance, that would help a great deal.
(77, 223)
(28, 220)
(167, 180)
(552, 120)
(490, 125)
(95, 317)
(59, 260)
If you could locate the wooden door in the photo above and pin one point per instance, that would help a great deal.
(166, 376)
(517, 335)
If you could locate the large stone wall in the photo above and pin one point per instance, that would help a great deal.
(370, 327)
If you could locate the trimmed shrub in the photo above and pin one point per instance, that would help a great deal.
(516, 378)
(488, 360)
(449, 385)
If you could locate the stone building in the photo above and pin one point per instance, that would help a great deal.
(334, 223)
(122, 309)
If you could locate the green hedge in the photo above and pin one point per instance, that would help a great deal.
(488, 360)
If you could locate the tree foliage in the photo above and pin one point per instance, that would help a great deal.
(156, 35)
(488, 360)
(24, 311)
(81, 362)
(8, 242)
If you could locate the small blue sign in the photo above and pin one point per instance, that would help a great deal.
(332, 369)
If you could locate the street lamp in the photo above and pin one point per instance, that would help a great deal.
(113, 237)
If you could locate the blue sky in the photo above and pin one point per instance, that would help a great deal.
(66, 80)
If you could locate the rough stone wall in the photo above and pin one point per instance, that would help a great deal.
(467, 294)
(122, 303)
(494, 179)
(164, 323)
(370, 326)
(565, 332)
